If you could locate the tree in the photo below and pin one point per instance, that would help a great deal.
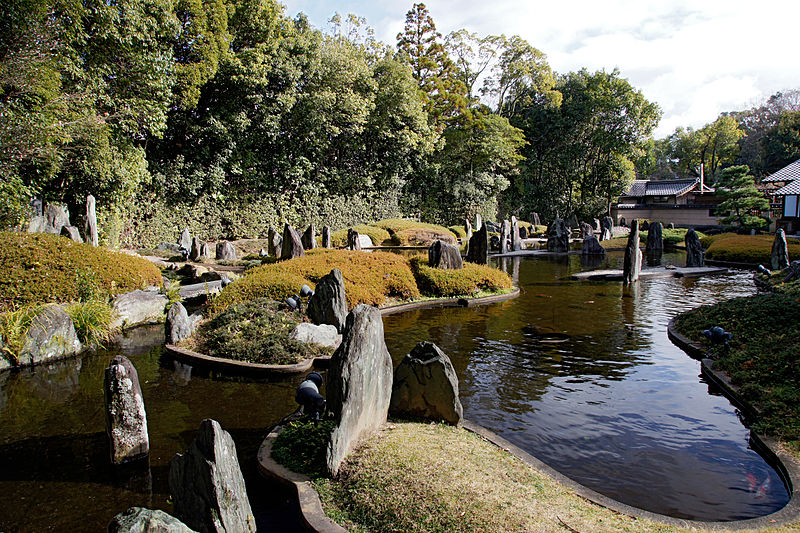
(714, 146)
(741, 199)
(781, 144)
(473, 55)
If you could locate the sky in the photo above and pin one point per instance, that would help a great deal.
(695, 59)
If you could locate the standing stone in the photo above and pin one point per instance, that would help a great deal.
(309, 238)
(273, 242)
(205, 251)
(516, 240)
(225, 251)
(37, 224)
(591, 246)
(207, 486)
(535, 220)
(328, 304)
(478, 221)
(71, 232)
(445, 256)
(586, 229)
(607, 225)
(695, 256)
(468, 229)
(291, 246)
(185, 240)
(178, 325)
(780, 252)
(196, 250)
(141, 520)
(671, 225)
(359, 383)
(426, 386)
(327, 241)
(353, 240)
(505, 233)
(51, 336)
(56, 216)
(138, 307)
(90, 229)
(632, 264)
(523, 232)
(596, 225)
(126, 421)
(558, 236)
(478, 251)
(655, 238)
(645, 226)
(36, 207)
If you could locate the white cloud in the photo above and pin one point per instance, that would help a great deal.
(694, 59)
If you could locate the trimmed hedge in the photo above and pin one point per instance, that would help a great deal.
(753, 249)
(41, 268)
(378, 235)
(406, 232)
(468, 281)
(369, 278)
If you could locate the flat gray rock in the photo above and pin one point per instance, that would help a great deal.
(141, 520)
(50, 337)
(322, 334)
(139, 307)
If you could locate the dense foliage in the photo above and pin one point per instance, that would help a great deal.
(42, 268)
(302, 447)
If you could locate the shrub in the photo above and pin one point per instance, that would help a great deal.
(378, 235)
(256, 331)
(302, 446)
(92, 320)
(468, 281)
(406, 232)
(745, 248)
(369, 278)
(40, 268)
(13, 328)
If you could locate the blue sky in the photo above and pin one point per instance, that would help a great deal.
(694, 58)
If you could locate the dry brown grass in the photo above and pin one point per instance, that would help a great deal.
(436, 478)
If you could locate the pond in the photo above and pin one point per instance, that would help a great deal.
(616, 406)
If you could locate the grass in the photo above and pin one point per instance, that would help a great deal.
(256, 331)
(37, 268)
(406, 232)
(752, 249)
(379, 236)
(469, 281)
(763, 358)
(438, 478)
(14, 327)
(92, 320)
(302, 446)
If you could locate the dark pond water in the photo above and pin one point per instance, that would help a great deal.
(616, 407)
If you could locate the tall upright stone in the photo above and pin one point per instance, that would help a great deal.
(207, 486)
(607, 227)
(505, 235)
(632, 264)
(56, 216)
(309, 238)
(291, 246)
(558, 236)
(353, 240)
(516, 240)
(586, 229)
(359, 383)
(445, 256)
(426, 386)
(695, 256)
(178, 326)
(478, 251)
(90, 228)
(71, 232)
(328, 304)
(468, 229)
(327, 241)
(535, 220)
(655, 238)
(273, 242)
(195, 254)
(185, 240)
(126, 420)
(478, 221)
(780, 252)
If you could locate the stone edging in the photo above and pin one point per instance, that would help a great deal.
(733, 264)
(258, 369)
(311, 511)
(786, 464)
(314, 517)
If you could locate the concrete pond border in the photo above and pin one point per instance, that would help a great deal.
(245, 368)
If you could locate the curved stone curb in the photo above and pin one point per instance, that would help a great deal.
(786, 464)
(310, 506)
(733, 264)
(232, 365)
(450, 302)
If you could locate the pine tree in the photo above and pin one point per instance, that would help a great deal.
(740, 197)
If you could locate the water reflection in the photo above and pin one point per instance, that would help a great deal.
(616, 407)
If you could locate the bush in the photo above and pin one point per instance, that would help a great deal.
(378, 235)
(752, 249)
(406, 232)
(41, 268)
(369, 278)
(13, 329)
(302, 446)
(469, 281)
(256, 331)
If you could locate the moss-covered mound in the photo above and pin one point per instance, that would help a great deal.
(752, 249)
(378, 235)
(40, 268)
(412, 233)
(458, 231)
(369, 278)
(763, 357)
(471, 281)
(256, 331)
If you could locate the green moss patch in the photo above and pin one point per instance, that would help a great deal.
(406, 232)
(40, 268)
(379, 236)
(470, 281)
(752, 249)
(301, 447)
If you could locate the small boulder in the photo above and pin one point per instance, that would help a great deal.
(558, 236)
(328, 304)
(586, 229)
(607, 228)
(207, 486)
(51, 336)
(72, 233)
(780, 252)
(226, 251)
(178, 325)
(141, 520)
(138, 307)
(37, 224)
(695, 256)
(196, 252)
(444, 256)
(655, 239)
(56, 216)
(322, 334)
(426, 386)
(365, 241)
(291, 246)
(523, 232)
(591, 246)
(126, 421)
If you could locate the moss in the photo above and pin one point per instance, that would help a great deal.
(40, 268)
(406, 232)
(752, 249)
(301, 447)
(376, 234)
(468, 281)
(458, 231)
